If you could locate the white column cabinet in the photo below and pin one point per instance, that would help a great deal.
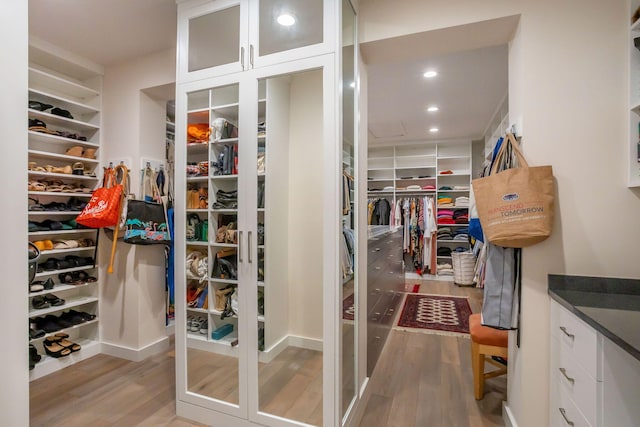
(228, 36)
(279, 199)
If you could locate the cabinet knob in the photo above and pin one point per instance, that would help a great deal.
(563, 371)
(564, 415)
(563, 329)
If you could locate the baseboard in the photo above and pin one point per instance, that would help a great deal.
(136, 355)
(507, 416)
(269, 354)
(304, 342)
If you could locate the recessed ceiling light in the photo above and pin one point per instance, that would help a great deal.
(430, 74)
(286, 20)
(433, 130)
(432, 109)
(352, 84)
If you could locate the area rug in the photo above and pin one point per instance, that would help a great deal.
(437, 314)
(348, 308)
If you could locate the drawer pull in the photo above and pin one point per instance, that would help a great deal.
(563, 371)
(563, 329)
(564, 415)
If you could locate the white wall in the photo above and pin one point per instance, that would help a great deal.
(14, 387)
(305, 206)
(567, 68)
(133, 297)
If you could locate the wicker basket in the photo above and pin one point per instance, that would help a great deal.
(464, 265)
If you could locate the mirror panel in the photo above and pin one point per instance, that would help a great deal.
(214, 39)
(290, 286)
(349, 180)
(211, 264)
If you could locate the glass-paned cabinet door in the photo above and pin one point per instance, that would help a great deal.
(279, 27)
(212, 274)
(212, 38)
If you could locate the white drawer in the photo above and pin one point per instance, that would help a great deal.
(579, 339)
(572, 379)
(563, 412)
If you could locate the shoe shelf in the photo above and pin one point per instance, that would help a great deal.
(225, 211)
(227, 281)
(224, 245)
(34, 154)
(69, 303)
(196, 243)
(197, 179)
(58, 232)
(65, 270)
(198, 310)
(226, 141)
(65, 330)
(61, 287)
(67, 176)
(54, 213)
(67, 251)
(42, 80)
(48, 365)
(196, 211)
(223, 177)
(55, 120)
(62, 102)
(56, 139)
(58, 193)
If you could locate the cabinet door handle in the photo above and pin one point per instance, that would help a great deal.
(563, 371)
(249, 244)
(242, 57)
(563, 329)
(251, 55)
(239, 246)
(564, 415)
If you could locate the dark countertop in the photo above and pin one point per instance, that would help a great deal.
(610, 305)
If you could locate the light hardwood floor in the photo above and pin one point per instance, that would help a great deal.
(426, 380)
(420, 380)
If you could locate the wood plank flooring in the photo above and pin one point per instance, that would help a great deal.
(426, 380)
(420, 380)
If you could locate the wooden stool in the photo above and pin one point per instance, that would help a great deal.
(486, 342)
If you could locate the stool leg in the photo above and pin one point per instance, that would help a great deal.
(477, 362)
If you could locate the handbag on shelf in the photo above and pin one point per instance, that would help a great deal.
(146, 222)
(515, 206)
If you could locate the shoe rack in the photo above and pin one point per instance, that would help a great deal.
(64, 158)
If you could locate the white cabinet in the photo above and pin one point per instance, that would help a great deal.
(227, 36)
(64, 141)
(593, 382)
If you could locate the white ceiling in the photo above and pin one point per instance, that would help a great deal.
(106, 32)
(468, 89)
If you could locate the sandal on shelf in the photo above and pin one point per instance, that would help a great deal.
(62, 113)
(36, 226)
(43, 245)
(56, 350)
(36, 286)
(76, 151)
(39, 106)
(48, 284)
(37, 186)
(54, 300)
(65, 244)
(70, 345)
(78, 168)
(89, 153)
(35, 206)
(39, 303)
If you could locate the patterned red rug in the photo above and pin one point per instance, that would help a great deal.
(438, 314)
(348, 308)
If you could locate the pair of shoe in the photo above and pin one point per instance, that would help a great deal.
(79, 151)
(41, 285)
(58, 345)
(49, 300)
(34, 357)
(197, 324)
